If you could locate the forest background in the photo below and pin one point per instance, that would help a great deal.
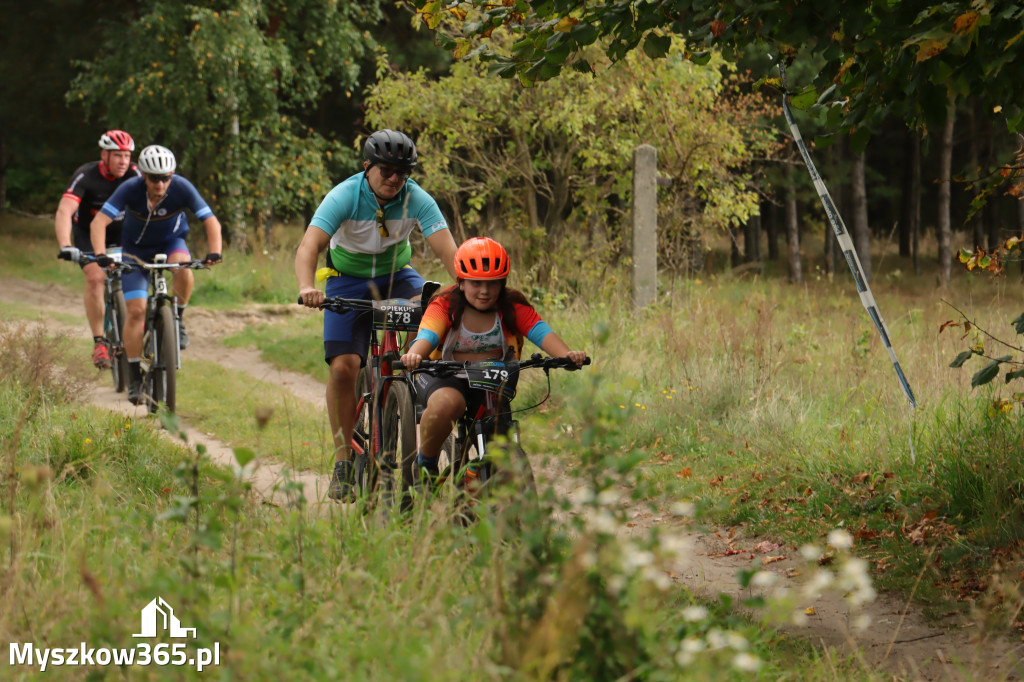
(265, 104)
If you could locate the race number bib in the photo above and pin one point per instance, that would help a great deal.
(399, 314)
(494, 376)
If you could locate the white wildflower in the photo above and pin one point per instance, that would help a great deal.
(737, 641)
(683, 508)
(608, 497)
(656, 577)
(694, 614)
(603, 522)
(764, 579)
(675, 545)
(861, 622)
(819, 581)
(747, 663)
(840, 539)
(717, 639)
(810, 552)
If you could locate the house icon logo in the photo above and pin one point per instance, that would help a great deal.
(158, 615)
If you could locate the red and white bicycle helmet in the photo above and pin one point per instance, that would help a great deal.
(157, 160)
(117, 140)
(481, 258)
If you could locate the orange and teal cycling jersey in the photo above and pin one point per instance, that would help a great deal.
(436, 325)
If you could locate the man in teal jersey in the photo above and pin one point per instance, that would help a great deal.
(365, 223)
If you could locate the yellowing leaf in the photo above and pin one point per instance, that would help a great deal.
(809, 611)
(459, 13)
(462, 46)
(966, 22)
(565, 24)
(927, 49)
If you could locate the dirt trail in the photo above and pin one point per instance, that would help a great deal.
(899, 641)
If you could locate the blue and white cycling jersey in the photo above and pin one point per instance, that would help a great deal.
(145, 229)
(349, 215)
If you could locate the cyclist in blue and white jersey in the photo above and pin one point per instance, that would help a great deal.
(364, 223)
(154, 222)
(90, 186)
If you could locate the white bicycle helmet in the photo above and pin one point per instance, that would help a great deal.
(117, 140)
(157, 160)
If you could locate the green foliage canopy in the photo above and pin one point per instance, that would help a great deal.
(883, 57)
(224, 85)
(549, 160)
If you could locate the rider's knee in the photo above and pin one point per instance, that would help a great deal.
(345, 368)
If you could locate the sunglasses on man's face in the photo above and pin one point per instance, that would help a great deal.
(387, 171)
(158, 178)
(382, 226)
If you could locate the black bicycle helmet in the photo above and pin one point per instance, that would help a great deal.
(390, 147)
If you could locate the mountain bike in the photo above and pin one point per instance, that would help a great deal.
(393, 319)
(487, 452)
(161, 358)
(113, 313)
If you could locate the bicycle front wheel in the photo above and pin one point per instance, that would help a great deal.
(165, 366)
(398, 450)
(116, 314)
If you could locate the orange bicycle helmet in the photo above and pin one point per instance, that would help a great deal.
(481, 258)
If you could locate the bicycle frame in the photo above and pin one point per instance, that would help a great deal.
(393, 318)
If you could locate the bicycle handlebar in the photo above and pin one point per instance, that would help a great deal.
(341, 305)
(190, 265)
(119, 266)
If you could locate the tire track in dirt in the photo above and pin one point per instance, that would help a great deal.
(900, 640)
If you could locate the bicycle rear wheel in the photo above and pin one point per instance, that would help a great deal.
(165, 365)
(398, 451)
(116, 314)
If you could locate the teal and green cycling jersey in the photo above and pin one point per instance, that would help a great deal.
(349, 215)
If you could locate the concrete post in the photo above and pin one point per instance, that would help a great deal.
(645, 225)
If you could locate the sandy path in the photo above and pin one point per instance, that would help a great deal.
(900, 641)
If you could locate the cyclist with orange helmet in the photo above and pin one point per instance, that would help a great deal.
(89, 188)
(364, 225)
(479, 318)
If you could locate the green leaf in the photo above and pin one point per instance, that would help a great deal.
(1016, 374)
(961, 358)
(584, 34)
(804, 100)
(243, 456)
(1018, 323)
(701, 57)
(988, 372)
(656, 46)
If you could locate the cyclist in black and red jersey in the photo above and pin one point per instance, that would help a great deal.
(90, 187)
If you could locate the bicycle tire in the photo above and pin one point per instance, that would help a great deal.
(398, 448)
(361, 434)
(118, 312)
(165, 366)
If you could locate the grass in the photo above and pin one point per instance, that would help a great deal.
(101, 514)
(772, 408)
(294, 434)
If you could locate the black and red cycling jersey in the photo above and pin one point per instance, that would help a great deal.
(90, 187)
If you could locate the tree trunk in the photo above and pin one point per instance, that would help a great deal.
(915, 203)
(911, 188)
(792, 231)
(991, 161)
(944, 225)
(861, 233)
(752, 240)
(3, 174)
(974, 172)
(772, 224)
